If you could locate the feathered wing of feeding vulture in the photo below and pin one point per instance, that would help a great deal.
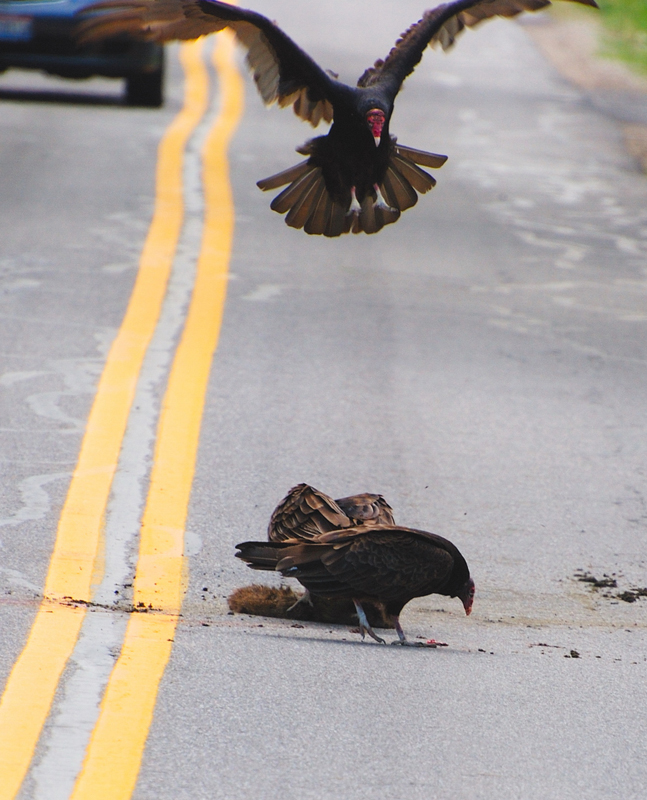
(383, 564)
(305, 513)
(357, 177)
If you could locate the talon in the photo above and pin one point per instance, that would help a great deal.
(364, 625)
(407, 643)
(431, 643)
(378, 639)
(402, 639)
(354, 207)
(364, 630)
(380, 202)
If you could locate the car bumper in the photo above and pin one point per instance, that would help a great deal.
(83, 66)
(51, 46)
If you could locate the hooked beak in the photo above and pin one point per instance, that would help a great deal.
(467, 596)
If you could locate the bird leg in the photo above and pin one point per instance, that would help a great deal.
(380, 202)
(364, 626)
(305, 598)
(354, 207)
(402, 639)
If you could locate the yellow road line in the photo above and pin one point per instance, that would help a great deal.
(32, 683)
(114, 755)
(82, 517)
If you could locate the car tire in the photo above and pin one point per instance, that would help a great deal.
(145, 89)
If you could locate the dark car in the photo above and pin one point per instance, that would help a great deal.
(40, 34)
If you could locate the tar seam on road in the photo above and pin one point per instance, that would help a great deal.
(34, 679)
(114, 755)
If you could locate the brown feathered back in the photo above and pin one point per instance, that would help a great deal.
(305, 513)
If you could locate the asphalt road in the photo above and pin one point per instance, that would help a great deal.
(481, 363)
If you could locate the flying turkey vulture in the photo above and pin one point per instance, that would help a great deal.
(305, 513)
(383, 564)
(357, 177)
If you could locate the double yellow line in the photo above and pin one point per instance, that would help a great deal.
(113, 757)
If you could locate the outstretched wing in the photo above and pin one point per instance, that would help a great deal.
(441, 26)
(283, 73)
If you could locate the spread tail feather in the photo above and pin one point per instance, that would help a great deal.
(372, 218)
(287, 176)
(316, 222)
(420, 180)
(398, 191)
(338, 221)
(307, 203)
(421, 157)
(295, 192)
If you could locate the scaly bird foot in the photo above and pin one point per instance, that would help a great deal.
(363, 629)
(364, 625)
(430, 643)
(355, 207)
(380, 202)
(402, 639)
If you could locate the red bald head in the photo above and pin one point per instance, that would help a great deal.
(466, 594)
(375, 120)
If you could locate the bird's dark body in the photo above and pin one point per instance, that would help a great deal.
(388, 567)
(384, 564)
(348, 157)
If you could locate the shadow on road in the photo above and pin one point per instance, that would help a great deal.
(69, 98)
(354, 642)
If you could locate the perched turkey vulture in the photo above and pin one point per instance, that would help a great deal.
(305, 513)
(383, 564)
(357, 177)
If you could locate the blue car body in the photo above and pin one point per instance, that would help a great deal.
(40, 34)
